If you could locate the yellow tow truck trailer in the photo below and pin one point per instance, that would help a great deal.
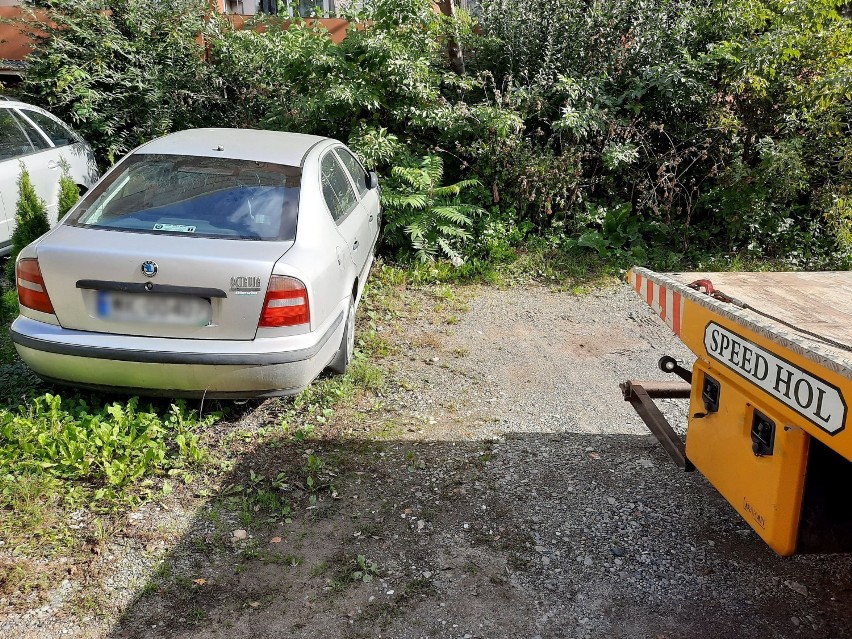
(769, 396)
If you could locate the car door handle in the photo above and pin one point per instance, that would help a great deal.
(355, 246)
(53, 164)
(371, 218)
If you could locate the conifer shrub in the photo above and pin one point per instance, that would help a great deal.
(69, 193)
(30, 220)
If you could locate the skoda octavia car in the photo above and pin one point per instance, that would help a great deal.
(210, 262)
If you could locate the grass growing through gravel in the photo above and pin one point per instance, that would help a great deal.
(62, 454)
(79, 458)
(66, 460)
(73, 457)
(108, 447)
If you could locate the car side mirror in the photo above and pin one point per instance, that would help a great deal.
(372, 180)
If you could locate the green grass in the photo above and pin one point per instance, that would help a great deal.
(740, 263)
(535, 261)
(32, 512)
(541, 260)
(19, 576)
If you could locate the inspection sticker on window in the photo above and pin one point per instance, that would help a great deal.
(174, 228)
(813, 398)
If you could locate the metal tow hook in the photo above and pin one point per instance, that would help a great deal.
(668, 364)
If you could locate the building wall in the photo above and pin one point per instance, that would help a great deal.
(15, 45)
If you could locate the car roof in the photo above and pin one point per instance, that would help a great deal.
(278, 147)
(6, 103)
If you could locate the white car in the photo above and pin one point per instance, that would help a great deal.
(211, 262)
(42, 143)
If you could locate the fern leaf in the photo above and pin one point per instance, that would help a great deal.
(454, 231)
(453, 214)
(449, 251)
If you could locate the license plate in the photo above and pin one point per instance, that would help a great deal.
(154, 309)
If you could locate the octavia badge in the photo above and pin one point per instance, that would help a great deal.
(149, 268)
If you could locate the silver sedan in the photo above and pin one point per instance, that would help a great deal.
(210, 262)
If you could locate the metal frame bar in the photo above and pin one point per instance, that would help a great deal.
(640, 394)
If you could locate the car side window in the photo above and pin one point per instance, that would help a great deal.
(36, 138)
(13, 141)
(359, 175)
(58, 133)
(336, 187)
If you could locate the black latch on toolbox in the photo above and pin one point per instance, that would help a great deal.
(762, 435)
(710, 391)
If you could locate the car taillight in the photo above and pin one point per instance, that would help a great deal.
(32, 291)
(286, 303)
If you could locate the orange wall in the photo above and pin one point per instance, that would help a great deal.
(15, 45)
(336, 26)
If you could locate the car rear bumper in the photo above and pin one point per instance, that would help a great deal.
(177, 367)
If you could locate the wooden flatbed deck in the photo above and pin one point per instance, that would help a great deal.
(819, 303)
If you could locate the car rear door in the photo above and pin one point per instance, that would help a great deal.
(369, 197)
(43, 165)
(69, 146)
(344, 207)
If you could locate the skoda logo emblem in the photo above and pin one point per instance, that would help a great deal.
(149, 268)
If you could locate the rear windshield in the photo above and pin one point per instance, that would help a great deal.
(195, 196)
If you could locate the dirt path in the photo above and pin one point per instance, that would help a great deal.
(499, 487)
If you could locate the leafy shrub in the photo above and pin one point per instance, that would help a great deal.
(783, 110)
(533, 179)
(618, 231)
(724, 125)
(431, 217)
(378, 148)
(123, 71)
(382, 76)
(109, 448)
(30, 220)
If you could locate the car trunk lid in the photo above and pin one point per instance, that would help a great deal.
(157, 285)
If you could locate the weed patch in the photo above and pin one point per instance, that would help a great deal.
(101, 451)
(366, 570)
(21, 576)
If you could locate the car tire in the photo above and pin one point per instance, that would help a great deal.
(347, 344)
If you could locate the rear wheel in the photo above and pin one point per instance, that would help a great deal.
(347, 343)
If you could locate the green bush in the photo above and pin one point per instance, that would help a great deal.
(30, 220)
(724, 125)
(124, 71)
(383, 80)
(782, 110)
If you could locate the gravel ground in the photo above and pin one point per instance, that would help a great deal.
(502, 488)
